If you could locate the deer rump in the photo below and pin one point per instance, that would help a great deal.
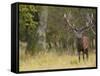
(82, 46)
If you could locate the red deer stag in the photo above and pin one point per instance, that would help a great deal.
(81, 40)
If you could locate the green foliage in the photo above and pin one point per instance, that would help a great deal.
(28, 23)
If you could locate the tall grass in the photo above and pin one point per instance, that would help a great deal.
(52, 60)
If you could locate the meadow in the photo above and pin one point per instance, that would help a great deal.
(52, 60)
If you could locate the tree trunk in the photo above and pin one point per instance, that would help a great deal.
(42, 27)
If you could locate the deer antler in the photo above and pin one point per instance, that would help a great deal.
(89, 18)
(68, 18)
(90, 22)
(93, 31)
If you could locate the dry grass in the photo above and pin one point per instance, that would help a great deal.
(51, 60)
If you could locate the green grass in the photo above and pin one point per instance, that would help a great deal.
(51, 60)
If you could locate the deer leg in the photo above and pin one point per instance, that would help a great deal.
(83, 54)
(79, 55)
(86, 50)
